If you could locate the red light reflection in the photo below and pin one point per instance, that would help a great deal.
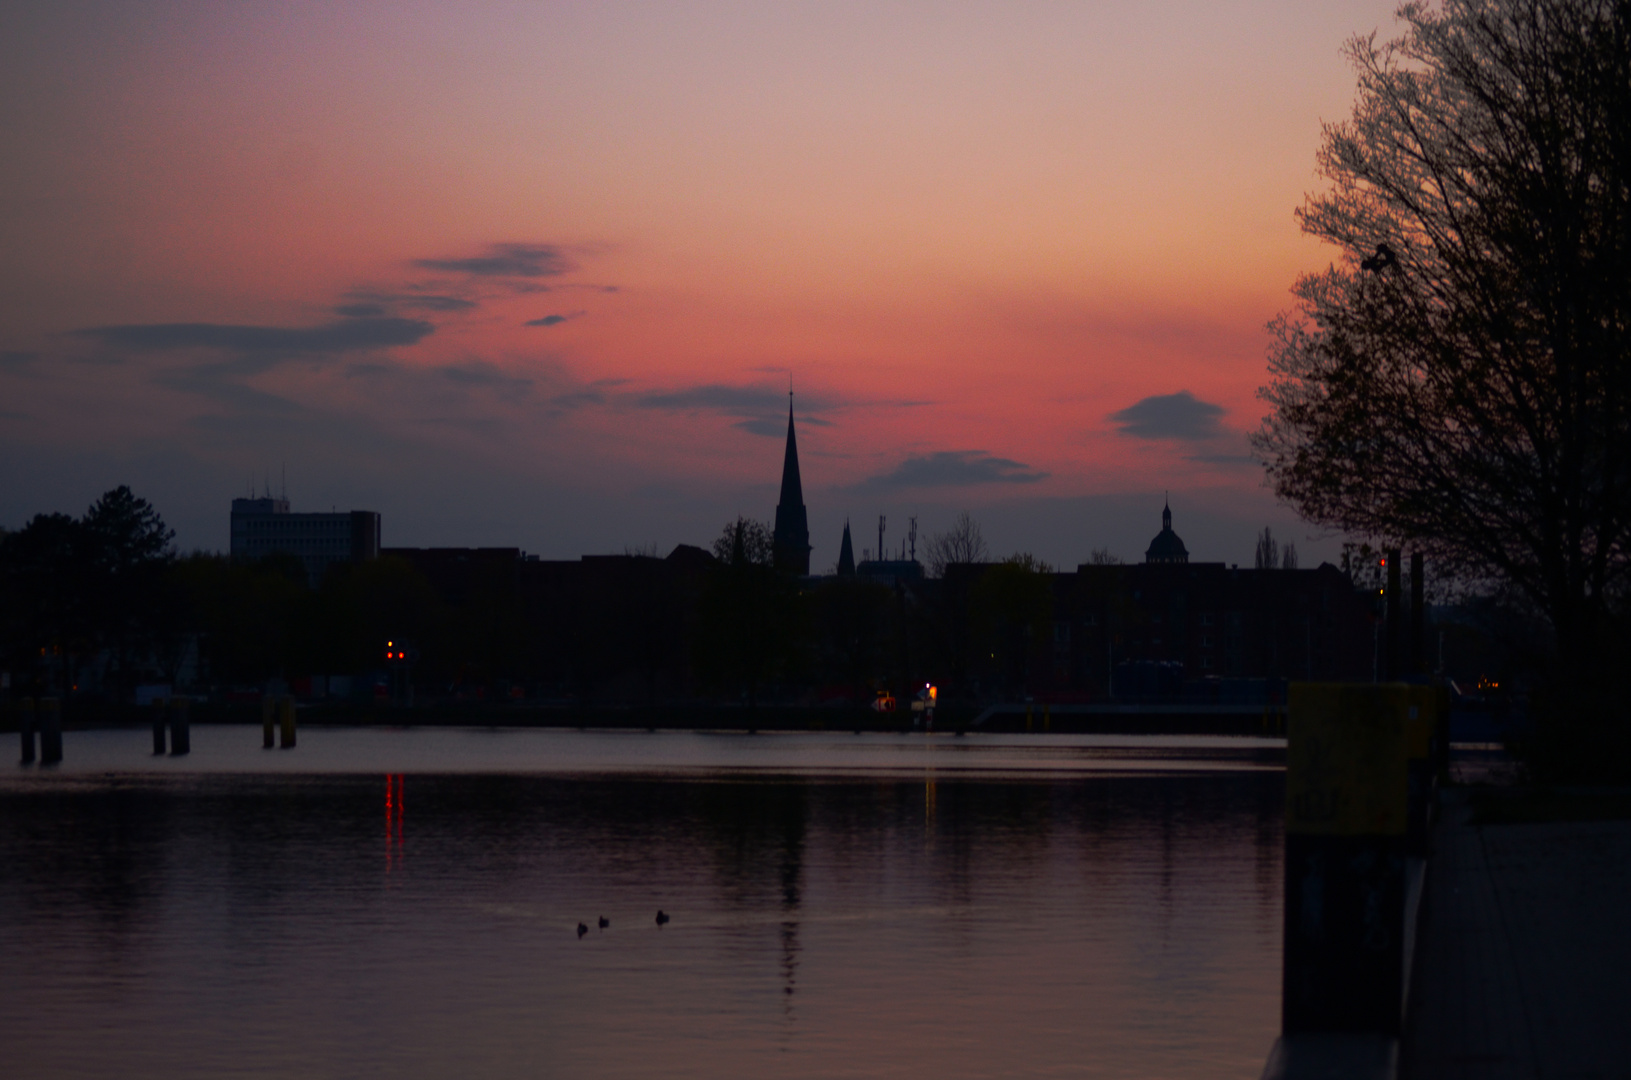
(394, 806)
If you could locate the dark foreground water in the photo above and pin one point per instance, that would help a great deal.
(1078, 908)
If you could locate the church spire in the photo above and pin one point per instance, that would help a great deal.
(792, 537)
(846, 555)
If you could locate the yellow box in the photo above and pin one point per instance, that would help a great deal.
(1347, 747)
(1422, 721)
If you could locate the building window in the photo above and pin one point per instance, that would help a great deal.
(1206, 619)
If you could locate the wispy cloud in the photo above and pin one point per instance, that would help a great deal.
(342, 336)
(952, 468)
(478, 373)
(216, 383)
(555, 320)
(716, 397)
(1170, 416)
(365, 301)
(507, 260)
(1222, 459)
(775, 427)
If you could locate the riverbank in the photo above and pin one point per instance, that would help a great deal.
(1038, 718)
(1524, 961)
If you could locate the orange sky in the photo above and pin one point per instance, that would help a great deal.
(971, 233)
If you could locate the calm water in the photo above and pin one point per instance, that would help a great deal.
(405, 903)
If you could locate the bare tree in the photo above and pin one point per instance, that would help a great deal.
(962, 543)
(1268, 550)
(1288, 557)
(1102, 557)
(1459, 381)
(745, 542)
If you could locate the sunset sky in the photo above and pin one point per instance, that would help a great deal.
(538, 275)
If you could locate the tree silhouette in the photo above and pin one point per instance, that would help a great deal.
(1465, 389)
(1268, 550)
(962, 543)
(748, 619)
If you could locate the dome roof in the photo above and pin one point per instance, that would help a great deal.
(1166, 547)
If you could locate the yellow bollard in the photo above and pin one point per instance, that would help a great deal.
(286, 714)
(1347, 816)
(267, 708)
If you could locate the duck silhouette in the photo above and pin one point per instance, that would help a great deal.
(604, 922)
(662, 917)
(582, 930)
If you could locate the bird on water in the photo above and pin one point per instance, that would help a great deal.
(604, 922)
(582, 929)
(662, 917)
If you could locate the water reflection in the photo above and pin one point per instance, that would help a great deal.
(395, 807)
(200, 925)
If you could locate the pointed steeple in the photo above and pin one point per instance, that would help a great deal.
(846, 555)
(792, 537)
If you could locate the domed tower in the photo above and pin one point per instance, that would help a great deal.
(1166, 547)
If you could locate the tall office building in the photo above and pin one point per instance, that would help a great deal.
(262, 527)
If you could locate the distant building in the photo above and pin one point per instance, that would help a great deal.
(846, 555)
(1166, 547)
(891, 571)
(611, 629)
(792, 536)
(1153, 628)
(262, 527)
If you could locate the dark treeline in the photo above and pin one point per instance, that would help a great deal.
(97, 605)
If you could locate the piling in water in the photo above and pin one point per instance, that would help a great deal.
(26, 725)
(181, 741)
(286, 715)
(49, 713)
(268, 706)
